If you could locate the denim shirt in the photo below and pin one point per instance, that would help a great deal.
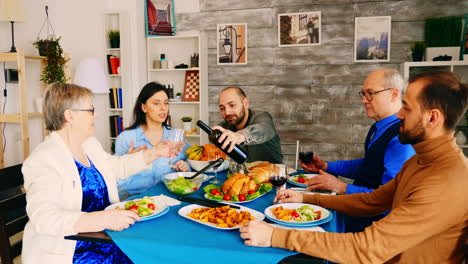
(146, 179)
(395, 156)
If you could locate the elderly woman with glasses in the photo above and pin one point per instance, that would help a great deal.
(70, 180)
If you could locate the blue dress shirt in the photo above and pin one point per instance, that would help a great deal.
(146, 179)
(395, 156)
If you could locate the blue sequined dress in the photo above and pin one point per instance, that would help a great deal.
(95, 198)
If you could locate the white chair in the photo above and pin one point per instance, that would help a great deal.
(291, 149)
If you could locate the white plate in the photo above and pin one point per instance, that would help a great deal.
(184, 211)
(161, 209)
(292, 179)
(325, 214)
(312, 228)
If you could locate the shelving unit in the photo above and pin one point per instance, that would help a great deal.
(179, 49)
(22, 117)
(113, 21)
(459, 67)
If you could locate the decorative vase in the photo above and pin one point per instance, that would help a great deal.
(460, 138)
(187, 127)
(115, 43)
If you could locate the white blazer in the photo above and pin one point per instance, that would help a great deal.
(54, 195)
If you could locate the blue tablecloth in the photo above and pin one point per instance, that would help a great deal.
(174, 239)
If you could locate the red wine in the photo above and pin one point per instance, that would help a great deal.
(278, 181)
(306, 157)
(237, 154)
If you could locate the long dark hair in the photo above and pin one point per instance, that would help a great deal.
(139, 117)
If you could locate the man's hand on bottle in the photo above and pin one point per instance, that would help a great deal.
(315, 165)
(229, 137)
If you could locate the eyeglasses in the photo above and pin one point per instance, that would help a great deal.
(85, 110)
(369, 95)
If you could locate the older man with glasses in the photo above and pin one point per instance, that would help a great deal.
(384, 154)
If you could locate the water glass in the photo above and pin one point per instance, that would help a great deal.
(213, 155)
(176, 137)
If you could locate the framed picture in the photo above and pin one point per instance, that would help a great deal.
(372, 39)
(299, 29)
(464, 42)
(232, 44)
(191, 86)
(160, 18)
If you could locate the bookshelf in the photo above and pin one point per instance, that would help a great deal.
(116, 72)
(178, 50)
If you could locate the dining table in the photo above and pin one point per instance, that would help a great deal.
(174, 239)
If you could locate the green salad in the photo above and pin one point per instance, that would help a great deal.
(181, 186)
(142, 207)
(306, 213)
(214, 192)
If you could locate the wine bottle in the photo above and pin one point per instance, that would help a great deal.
(237, 154)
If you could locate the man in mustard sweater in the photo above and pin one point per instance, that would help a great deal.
(427, 198)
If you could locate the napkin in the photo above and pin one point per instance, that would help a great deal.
(166, 200)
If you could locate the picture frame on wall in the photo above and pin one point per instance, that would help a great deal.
(464, 42)
(160, 18)
(231, 44)
(372, 39)
(299, 29)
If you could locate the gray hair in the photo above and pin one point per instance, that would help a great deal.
(393, 79)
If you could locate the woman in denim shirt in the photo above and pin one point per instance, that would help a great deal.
(149, 128)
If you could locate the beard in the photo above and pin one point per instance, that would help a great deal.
(412, 136)
(238, 118)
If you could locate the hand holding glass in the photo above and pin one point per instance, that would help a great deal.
(176, 138)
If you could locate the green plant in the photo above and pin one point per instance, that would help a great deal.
(443, 31)
(186, 119)
(114, 38)
(418, 47)
(53, 71)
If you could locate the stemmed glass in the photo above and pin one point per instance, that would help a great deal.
(213, 155)
(305, 156)
(176, 137)
(279, 178)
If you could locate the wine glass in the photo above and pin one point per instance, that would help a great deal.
(279, 178)
(305, 156)
(213, 155)
(176, 137)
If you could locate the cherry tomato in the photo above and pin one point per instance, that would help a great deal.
(215, 192)
(319, 215)
(151, 206)
(251, 191)
(227, 197)
(195, 188)
(300, 180)
(295, 214)
(134, 208)
(241, 197)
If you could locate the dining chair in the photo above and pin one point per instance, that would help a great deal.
(13, 215)
(291, 149)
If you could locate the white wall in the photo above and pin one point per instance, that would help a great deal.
(80, 25)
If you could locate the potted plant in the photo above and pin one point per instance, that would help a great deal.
(53, 71)
(187, 121)
(417, 50)
(179, 97)
(114, 39)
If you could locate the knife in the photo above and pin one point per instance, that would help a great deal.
(313, 191)
(204, 202)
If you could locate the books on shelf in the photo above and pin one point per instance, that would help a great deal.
(115, 98)
(116, 125)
